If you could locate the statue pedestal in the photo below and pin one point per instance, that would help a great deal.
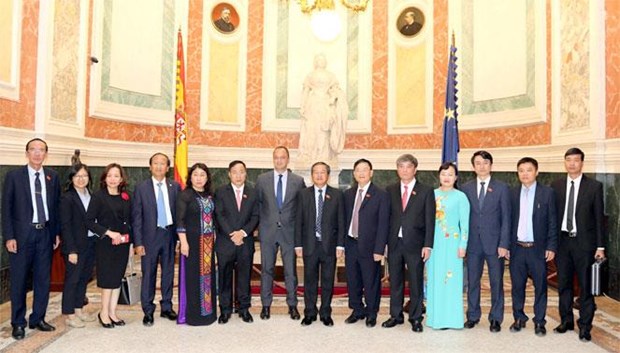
(307, 175)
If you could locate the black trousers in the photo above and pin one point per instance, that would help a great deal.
(363, 280)
(524, 262)
(398, 258)
(573, 260)
(325, 265)
(158, 250)
(76, 278)
(34, 254)
(241, 259)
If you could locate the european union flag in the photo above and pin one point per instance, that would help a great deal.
(450, 149)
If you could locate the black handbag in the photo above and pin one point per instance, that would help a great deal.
(599, 278)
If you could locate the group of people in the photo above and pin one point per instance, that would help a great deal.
(413, 224)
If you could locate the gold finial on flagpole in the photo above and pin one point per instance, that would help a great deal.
(452, 37)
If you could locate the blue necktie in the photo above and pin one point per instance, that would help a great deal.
(38, 197)
(319, 215)
(162, 220)
(481, 195)
(279, 192)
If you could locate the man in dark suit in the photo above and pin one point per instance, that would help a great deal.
(411, 27)
(412, 229)
(319, 238)
(277, 196)
(581, 241)
(533, 242)
(367, 217)
(489, 239)
(31, 227)
(153, 220)
(236, 216)
(223, 23)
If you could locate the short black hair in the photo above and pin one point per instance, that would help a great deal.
(574, 150)
(321, 163)
(484, 154)
(202, 166)
(528, 160)
(36, 139)
(362, 160)
(232, 164)
(159, 154)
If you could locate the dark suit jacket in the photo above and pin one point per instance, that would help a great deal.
(544, 219)
(493, 223)
(332, 227)
(17, 209)
(229, 219)
(73, 223)
(100, 217)
(269, 215)
(588, 212)
(144, 210)
(417, 220)
(374, 219)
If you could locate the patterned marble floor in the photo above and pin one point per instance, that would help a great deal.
(280, 333)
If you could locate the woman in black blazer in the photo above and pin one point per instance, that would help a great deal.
(109, 217)
(78, 245)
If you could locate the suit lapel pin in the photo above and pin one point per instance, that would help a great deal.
(327, 197)
(489, 190)
(245, 196)
(49, 178)
(367, 195)
(413, 193)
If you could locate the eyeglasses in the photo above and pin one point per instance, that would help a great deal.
(81, 176)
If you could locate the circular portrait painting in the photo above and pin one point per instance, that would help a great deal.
(225, 17)
(410, 22)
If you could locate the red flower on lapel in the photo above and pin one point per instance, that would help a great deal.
(125, 196)
(327, 197)
(489, 190)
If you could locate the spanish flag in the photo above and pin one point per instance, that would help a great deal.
(180, 122)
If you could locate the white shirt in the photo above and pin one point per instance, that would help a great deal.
(364, 191)
(410, 187)
(486, 185)
(32, 178)
(164, 189)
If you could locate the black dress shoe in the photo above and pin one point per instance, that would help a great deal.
(148, 319)
(517, 325)
(103, 324)
(416, 326)
(391, 322)
(563, 327)
(19, 332)
(371, 322)
(308, 320)
(246, 316)
(584, 335)
(495, 326)
(223, 319)
(292, 311)
(353, 319)
(327, 321)
(265, 313)
(471, 323)
(170, 314)
(540, 330)
(118, 323)
(42, 326)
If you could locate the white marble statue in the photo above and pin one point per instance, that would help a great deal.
(324, 111)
